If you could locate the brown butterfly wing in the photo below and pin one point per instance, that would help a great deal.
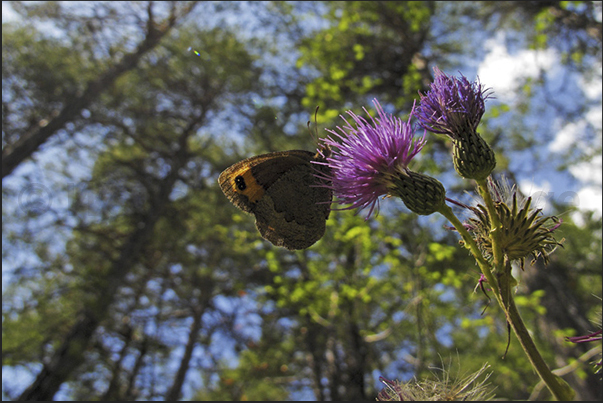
(257, 174)
(294, 212)
(280, 190)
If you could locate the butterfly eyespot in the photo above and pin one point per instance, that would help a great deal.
(240, 183)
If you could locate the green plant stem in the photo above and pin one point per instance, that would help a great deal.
(470, 244)
(502, 291)
(495, 225)
(558, 387)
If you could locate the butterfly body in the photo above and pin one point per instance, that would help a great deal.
(281, 190)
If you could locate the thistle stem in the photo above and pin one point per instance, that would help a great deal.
(502, 291)
(558, 387)
(470, 244)
(496, 226)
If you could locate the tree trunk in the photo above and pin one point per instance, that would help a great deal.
(175, 391)
(29, 142)
(70, 354)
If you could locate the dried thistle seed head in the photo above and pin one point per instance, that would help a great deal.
(525, 230)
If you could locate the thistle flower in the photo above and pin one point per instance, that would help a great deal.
(455, 107)
(439, 388)
(525, 231)
(371, 160)
(585, 339)
(596, 337)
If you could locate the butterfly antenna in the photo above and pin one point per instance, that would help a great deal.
(315, 133)
(316, 121)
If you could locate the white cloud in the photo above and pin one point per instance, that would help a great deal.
(566, 136)
(501, 70)
(540, 193)
(8, 14)
(591, 86)
(589, 171)
(590, 196)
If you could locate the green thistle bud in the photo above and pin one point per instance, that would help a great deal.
(473, 158)
(422, 194)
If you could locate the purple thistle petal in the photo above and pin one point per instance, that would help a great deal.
(453, 106)
(584, 339)
(366, 154)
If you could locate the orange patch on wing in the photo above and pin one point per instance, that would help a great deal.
(253, 190)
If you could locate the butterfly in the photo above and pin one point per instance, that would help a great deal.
(290, 204)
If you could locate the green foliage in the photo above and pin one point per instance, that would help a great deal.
(393, 295)
(38, 73)
(367, 50)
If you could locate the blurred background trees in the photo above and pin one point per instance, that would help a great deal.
(128, 275)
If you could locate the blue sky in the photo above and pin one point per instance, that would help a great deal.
(503, 71)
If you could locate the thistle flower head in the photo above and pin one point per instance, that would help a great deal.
(371, 160)
(592, 337)
(525, 231)
(453, 106)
